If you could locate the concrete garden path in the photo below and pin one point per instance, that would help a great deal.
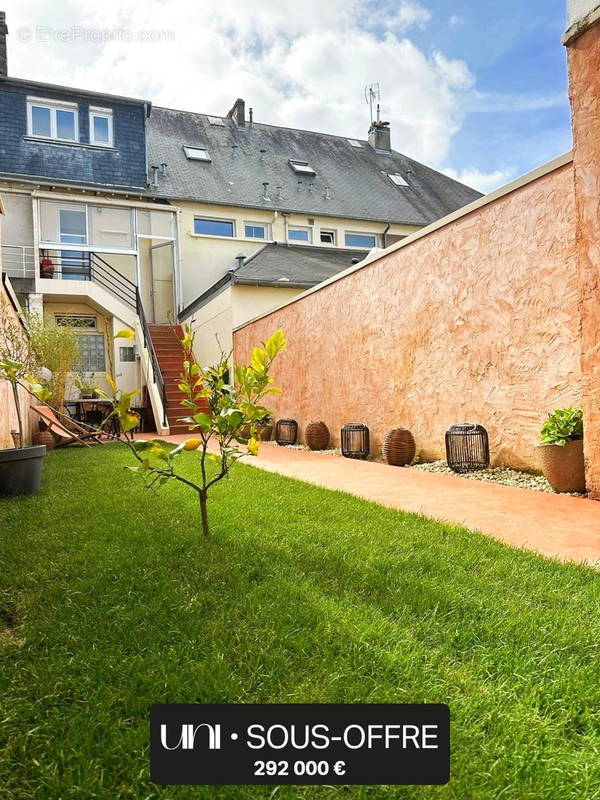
(559, 526)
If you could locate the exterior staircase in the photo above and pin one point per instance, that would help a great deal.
(165, 339)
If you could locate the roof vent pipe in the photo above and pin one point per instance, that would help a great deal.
(154, 175)
(266, 191)
(279, 190)
(240, 258)
(311, 187)
(327, 195)
(262, 154)
(251, 115)
(299, 185)
(163, 168)
(234, 150)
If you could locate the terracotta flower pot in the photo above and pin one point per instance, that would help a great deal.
(263, 431)
(563, 467)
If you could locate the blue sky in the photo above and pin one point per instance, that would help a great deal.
(514, 51)
(475, 89)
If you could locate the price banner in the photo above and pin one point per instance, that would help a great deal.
(362, 744)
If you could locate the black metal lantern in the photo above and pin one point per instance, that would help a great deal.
(467, 447)
(355, 440)
(286, 431)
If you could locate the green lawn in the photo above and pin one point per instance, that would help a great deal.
(110, 602)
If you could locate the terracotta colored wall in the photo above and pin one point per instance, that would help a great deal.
(475, 321)
(8, 415)
(584, 79)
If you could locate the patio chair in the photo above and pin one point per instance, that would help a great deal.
(62, 435)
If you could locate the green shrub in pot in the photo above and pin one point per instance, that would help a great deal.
(561, 450)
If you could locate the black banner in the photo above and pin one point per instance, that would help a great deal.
(300, 744)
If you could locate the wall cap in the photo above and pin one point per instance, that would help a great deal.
(580, 26)
(518, 183)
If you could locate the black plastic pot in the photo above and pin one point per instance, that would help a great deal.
(21, 470)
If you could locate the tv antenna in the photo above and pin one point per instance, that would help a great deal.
(373, 97)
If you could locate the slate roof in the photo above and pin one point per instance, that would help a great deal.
(300, 266)
(355, 176)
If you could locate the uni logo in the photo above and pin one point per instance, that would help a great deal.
(187, 738)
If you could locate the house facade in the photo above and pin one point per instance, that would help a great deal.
(121, 214)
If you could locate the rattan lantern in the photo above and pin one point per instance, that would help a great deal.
(316, 435)
(467, 447)
(399, 447)
(355, 440)
(286, 431)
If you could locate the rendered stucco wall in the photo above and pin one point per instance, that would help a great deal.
(584, 79)
(475, 321)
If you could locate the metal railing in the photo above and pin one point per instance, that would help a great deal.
(157, 375)
(18, 261)
(83, 266)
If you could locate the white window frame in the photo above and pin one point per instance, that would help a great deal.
(301, 167)
(333, 235)
(397, 179)
(257, 224)
(188, 148)
(300, 228)
(360, 246)
(105, 113)
(53, 106)
(215, 219)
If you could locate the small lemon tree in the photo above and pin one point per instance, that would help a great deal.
(216, 411)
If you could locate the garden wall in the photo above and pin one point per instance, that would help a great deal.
(473, 319)
(8, 415)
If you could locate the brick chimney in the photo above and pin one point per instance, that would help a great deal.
(238, 113)
(380, 137)
(3, 57)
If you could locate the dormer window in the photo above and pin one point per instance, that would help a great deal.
(52, 119)
(196, 153)
(301, 167)
(397, 179)
(101, 126)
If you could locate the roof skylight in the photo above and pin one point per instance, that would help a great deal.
(301, 167)
(196, 153)
(397, 179)
(354, 143)
(216, 121)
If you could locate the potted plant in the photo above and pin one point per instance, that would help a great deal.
(264, 428)
(87, 385)
(561, 450)
(20, 466)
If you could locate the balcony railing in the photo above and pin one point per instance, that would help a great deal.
(18, 261)
(83, 266)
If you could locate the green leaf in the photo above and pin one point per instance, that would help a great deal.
(204, 420)
(125, 333)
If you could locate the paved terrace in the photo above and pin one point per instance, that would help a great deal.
(559, 526)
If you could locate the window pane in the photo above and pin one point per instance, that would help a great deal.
(91, 353)
(72, 224)
(328, 237)
(359, 240)
(110, 227)
(298, 235)
(213, 227)
(126, 353)
(155, 223)
(255, 231)
(101, 129)
(65, 124)
(40, 121)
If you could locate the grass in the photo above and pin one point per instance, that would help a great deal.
(110, 602)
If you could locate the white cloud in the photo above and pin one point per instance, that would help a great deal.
(303, 66)
(455, 20)
(485, 182)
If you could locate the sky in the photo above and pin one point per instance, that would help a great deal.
(475, 88)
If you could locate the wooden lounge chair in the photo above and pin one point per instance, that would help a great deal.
(62, 435)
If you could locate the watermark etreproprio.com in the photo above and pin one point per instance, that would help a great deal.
(77, 33)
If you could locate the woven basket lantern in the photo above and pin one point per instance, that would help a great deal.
(399, 447)
(44, 437)
(355, 440)
(286, 431)
(316, 435)
(467, 447)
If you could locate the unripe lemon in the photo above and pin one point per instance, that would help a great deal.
(192, 444)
